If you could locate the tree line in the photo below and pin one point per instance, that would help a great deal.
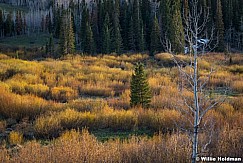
(10, 26)
(115, 26)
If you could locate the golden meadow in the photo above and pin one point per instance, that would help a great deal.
(63, 102)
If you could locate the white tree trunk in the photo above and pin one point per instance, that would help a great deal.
(196, 112)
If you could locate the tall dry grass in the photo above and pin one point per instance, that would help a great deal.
(18, 107)
(52, 125)
(93, 92)
(76, 147)
(73, 146)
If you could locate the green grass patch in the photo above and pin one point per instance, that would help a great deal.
(28, 41)
(108, 134)
(11, 8)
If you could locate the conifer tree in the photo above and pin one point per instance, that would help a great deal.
(227, 9)
(237, 11)
(106, 35)
(185, 9)
(47, 49)
(165, 15)
(71, 35)
(18, 23)
(1, 23)
(9, 25)
(165, 19)
(116, 31)
(124, 23)
(85, 22)
(137, 26)
(219, 27)
(176, 34)
(51, 46)
(67, 40)
(131, 36)
(43, 24)
(146, 18)
(24, 25)
(155, 45)
(49, 22)
(89, 46)
(94, 30)
(140, 90)
(57, 22)
(100, 20)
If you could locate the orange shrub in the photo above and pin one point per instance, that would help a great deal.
(49, 79)
(83, 105)
(115, 119)
(3, 126)
(18, 107)
(63, 94)
(167, 98)
(237, 86)
(202, 64)
(94, 90)
(48, 126)
(237, 103)
(164, 120)
(225, 109)
(4, 86)
(15, 138)
(123, 102)
(4, 155)
(230, 142)
(38, 90)
(236, 69)
(220, 79)
(72, 119)
(165, 59)
(17, 86)
(3, 56)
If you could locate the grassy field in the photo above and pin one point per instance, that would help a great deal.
(28, 41)
(79, 106)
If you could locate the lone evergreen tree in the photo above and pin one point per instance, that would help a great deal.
(140, 90)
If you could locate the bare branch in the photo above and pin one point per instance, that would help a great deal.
(207, 79)
(210, 107)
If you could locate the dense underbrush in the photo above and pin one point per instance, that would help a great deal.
(54, 100)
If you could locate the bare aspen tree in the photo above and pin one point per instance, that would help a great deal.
(201, 103)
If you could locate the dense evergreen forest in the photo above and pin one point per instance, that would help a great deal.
(117, 26)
